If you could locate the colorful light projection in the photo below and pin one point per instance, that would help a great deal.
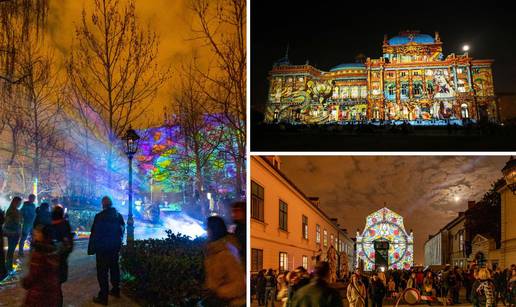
(385, 225)
(166, 158)
(431, 90)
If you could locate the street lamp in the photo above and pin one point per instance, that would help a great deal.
(509, 173)
(131, 147)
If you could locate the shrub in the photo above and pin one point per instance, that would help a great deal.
(164, 272)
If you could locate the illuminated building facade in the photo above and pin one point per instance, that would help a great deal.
(412, 81)
(384, 242)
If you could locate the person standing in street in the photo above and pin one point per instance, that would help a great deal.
(376, 291)
(318, 292)
(238, 215)
(12, 230)
(270, 288)
(225, 275)
(28, 213)
(105, 242)
(62, 237)
(356, 292)
(43, 217)
(42, 281)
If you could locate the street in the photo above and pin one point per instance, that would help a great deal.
(80, 288)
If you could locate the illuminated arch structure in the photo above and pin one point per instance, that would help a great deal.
(384, 242)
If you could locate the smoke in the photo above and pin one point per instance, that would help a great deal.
(178, 224)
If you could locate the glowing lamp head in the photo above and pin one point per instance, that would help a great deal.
(456, 198)
(131, 139)
(465, 48)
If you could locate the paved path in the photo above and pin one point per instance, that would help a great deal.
(80, 288)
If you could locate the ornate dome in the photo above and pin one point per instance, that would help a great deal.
(411, 37)
(346, 66)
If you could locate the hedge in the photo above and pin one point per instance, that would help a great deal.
(164, 272)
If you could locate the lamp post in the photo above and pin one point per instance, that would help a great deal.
(131, 147)
(509, 173)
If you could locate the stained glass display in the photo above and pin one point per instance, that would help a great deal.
(385, 225)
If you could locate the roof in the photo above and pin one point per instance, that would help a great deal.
(406, 38)
(345, 66)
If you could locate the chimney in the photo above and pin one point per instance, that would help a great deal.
(314, 200)
(334, 220)
(471, 204)
(275, 161)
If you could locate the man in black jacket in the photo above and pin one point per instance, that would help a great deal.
(3, 270)
(376, 291)
(105, 242)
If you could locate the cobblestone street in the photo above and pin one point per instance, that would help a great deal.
(80, 288)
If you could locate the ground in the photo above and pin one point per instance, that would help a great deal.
(427, 140)
(80, 288)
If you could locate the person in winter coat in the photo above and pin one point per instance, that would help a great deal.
(105, 242)
(511, 289)
(42, 282)
(428, 284)
(260, 288)
(43, 216)
(3, 270)
(62, 237)
(270, 288)
(356, 292)
(238, 215)
(12, 230)
(412, 283)
(28, 213)
(318, 292)
(225, 274)
(376, 291)
(482, 294)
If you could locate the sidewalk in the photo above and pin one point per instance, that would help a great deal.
(80, 288)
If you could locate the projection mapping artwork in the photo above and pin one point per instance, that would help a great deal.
(385, 228)
(413, 81)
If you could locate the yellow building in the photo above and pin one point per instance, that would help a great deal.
(289, 229)
(508, 216)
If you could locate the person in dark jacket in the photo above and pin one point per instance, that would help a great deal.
(260, 288)
(318, 292)
(42, 282)
(105, 242)
(43, 217)
(62, 238)
(3, 271)
(238, 215)
(376, 291)
(28, 213)
(12, 230)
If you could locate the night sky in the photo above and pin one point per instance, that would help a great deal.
(328, 33)
(428, 191)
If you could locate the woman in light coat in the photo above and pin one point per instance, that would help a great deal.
(356, 292)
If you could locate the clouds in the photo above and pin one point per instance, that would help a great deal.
(420, 188)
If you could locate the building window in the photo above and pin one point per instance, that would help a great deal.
(461, 241)
(304, 222)
(256, 260)
(391, 90)
(283, 215)
(417, 89)
(403, 74)
(325, 238)
(317, 234)
(305, 262)
(283, 261)
(331, 239)
(404, 89)
(416, 73)
(256, 201)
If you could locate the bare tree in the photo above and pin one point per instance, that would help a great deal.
(200, 140)
(39, 106)
(113, 69)
(221, 24)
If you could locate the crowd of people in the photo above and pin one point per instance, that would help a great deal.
(478, 286)
(51, 242)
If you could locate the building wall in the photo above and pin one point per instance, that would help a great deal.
(434, 250)
(457, 247)
(268, 237)
(508, 248)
